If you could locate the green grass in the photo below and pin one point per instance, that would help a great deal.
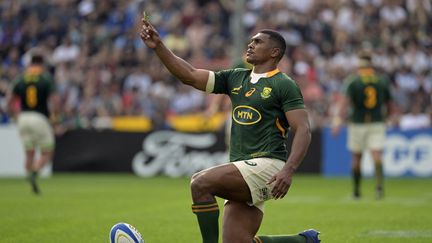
(82, 208)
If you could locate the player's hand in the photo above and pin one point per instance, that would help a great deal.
(149, 34)
(336, 125)
(282, 182)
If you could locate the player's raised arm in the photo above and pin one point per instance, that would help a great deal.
(177, 66)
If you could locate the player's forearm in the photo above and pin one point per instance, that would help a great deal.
(299, 147)
(8, 103)
(176, 65)
(338, 116)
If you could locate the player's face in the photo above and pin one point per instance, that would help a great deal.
(259, 49)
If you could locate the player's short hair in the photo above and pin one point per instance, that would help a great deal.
(278, 39)
(365, 55)
(365, 58)
(37, 58)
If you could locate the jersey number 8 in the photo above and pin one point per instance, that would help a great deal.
(31, 96)
(370, 100)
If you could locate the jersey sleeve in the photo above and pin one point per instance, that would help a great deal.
(386, 89)
(51, 83)
(291, 96)
(222, 81)
(14, 86)
(347, 87)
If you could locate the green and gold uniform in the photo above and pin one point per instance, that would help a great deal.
(368, 93)
(259, 125)
(34, 88)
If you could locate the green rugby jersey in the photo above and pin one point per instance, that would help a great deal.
(368, 93)
(34, 88)
(259, 125)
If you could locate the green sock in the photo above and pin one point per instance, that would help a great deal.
(280, 239)
(356, 179)
(34, 175)
(379, 174)
(208, 216)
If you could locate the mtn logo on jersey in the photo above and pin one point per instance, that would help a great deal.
(246, 115)
(265, 94)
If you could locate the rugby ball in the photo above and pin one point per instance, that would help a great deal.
(125, 233)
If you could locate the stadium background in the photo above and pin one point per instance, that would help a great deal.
(107, 80)
(120, 112)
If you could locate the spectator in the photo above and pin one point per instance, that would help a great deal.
(415, 119)
(66, 52)
(88, 44)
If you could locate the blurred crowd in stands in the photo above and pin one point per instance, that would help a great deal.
(103, 70)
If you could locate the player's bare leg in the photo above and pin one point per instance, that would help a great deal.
(239, 213)
(29, 161)
(224, 181)
(31, 172)
(45, 158)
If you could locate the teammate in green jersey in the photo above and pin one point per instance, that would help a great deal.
(33, 89)
(367, 94)
(265, 103)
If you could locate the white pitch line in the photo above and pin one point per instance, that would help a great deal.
(349, 200)
(398, 233)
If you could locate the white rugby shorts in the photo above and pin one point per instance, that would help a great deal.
(257, 173)
(362, 136)
(35, 131)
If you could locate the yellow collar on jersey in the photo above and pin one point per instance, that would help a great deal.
(272, 73)
(34, 70)
(256, 76)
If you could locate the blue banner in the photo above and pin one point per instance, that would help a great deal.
(406, 153)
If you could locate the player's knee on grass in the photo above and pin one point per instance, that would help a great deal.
(237, 237)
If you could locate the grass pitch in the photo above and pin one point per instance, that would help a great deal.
(83, 208)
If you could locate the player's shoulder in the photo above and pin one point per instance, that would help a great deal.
(284, 79)
(351, 78)
(284, 76)
(235, 73)
(19, 80)
(241, 70)
(384, 78)
(47, 75)
(47, 79)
